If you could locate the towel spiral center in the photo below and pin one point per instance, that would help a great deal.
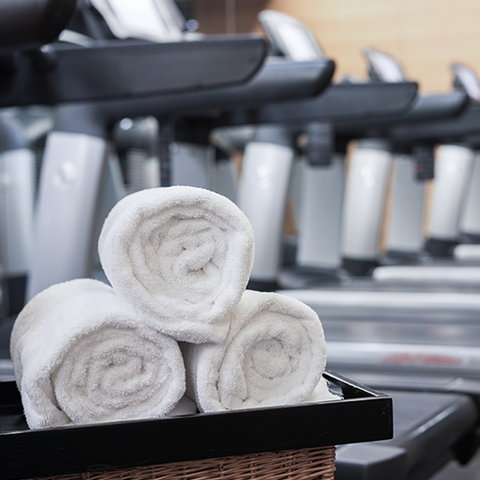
(268, 359)
(263, 362)
(186, 256)
(123, 371)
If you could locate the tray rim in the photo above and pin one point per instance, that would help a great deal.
(364, 415)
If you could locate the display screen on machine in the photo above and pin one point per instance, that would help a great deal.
(290, 37)
(385, 66)
(468, 80)
(147, 19)
(298, 42)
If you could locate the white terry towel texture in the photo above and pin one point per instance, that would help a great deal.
(274, 354)
(180, 255)
(81, 355)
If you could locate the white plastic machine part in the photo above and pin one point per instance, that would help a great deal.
(453, 169)
(470, 217)
(467, 252)
(366, 186)
(467, 79)
(230, 141)
(290, 36)
(422, 358)
(70, 180)
(407, 209)
(403, 301)
(458, 275)
(262, 197)
(17, 187)
(156, 20)
(386, 68)
(321, 204)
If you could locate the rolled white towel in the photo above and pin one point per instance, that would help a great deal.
(274, 354)
(180, 255)
(81, 355)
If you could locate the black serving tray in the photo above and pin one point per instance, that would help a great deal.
(362, 415)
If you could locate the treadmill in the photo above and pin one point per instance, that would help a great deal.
(406, 265)
(454, 213)
(434, 118)
(433, 416)
(410, 264)
(346, 111)
(401, 339)
(96, 84)
(278, 80)
(192, 83)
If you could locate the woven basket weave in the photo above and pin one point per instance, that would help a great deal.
(304, 464)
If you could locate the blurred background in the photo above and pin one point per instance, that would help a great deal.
(425, 34)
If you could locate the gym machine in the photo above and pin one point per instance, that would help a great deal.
(422, 419)
(94, 87)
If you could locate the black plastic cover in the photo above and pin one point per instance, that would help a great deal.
(447, 130)
(28, 24)
(120, 69)
(344, 102)
(275, 81)
(424, 108)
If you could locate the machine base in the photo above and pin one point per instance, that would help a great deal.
(359, 268)
(440, 248)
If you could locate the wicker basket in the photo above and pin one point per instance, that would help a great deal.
(303, 464)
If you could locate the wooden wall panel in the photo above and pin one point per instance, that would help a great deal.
(215, 16)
